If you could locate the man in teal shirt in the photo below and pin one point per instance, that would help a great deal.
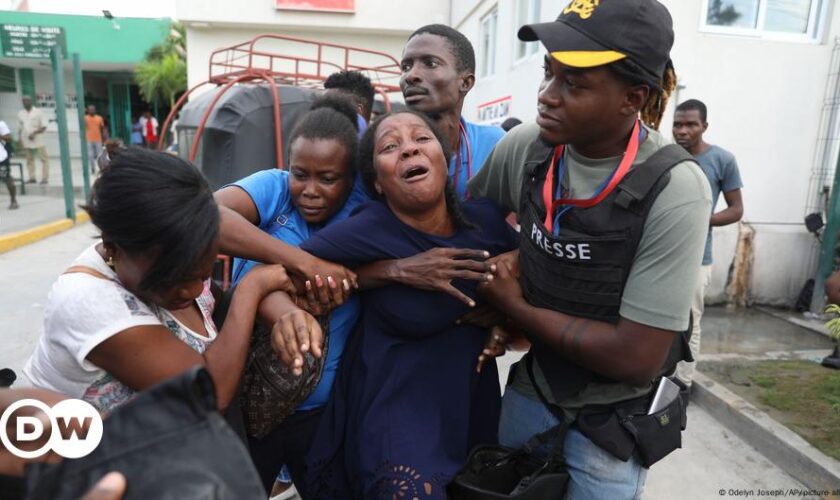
(721, 169)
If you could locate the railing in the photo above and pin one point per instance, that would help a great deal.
(280, 59)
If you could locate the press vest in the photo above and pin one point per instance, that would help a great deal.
(583, 269)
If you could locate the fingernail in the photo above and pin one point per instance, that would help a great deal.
(472, 303)
(489, 277)
(493, 267)
(304, 347)
(345, 284)
(457, 321)
(318, 280)
(331, 281)
(486, 254)
(308, 285)
(111, 482)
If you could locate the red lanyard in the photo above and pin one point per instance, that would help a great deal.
(462, 140)
(551, 204)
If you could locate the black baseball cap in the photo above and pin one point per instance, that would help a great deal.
(592, 33)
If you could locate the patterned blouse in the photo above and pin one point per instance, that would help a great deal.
(107, 393)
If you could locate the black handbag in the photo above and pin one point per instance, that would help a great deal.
(495, 472)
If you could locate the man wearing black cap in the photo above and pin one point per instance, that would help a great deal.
(613, 225)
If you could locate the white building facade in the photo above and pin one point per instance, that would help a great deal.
(376, 25)
(764, 69)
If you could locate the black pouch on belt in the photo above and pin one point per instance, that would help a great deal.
(626, 428)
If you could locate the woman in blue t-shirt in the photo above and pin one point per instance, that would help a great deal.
(317, 190)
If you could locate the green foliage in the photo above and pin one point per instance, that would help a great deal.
(800, 394)
(829, 389)
(163, 74)
(833, 325)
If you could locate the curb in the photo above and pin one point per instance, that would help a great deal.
(779, 444)
(27, 236)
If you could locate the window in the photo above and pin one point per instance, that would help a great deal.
(488, 43)
(780, 19)
(7, 79)
(527, 12)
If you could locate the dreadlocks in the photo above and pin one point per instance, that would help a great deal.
(660, 88)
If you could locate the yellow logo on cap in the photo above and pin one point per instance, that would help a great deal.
(583, 8)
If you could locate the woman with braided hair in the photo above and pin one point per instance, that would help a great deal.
(612, 231)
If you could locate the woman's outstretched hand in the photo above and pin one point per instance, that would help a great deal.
(294, 334)
(436, 268)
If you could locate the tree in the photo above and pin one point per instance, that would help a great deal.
(162, 79)
(720, 16)
(163, 74)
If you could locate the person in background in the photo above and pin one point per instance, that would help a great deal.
(173, 135)
(136, 133)
(5, 163)
(358, 88)
(510, 123)
(31, 126)
(109, 152)
(721, 169)
(149, 129)
(95, 134)
(438, 71)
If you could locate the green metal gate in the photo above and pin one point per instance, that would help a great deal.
(119, 108)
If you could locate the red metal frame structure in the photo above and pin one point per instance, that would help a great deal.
(254, 61)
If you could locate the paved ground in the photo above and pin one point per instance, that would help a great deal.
(712, 459)
(41, 204)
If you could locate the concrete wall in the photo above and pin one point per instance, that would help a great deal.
(371, 15)
(379, 25)
(764, 100)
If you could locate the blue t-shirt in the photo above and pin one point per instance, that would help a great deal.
(269, 190)
(361, 124)
(721, 169)
(481, 139)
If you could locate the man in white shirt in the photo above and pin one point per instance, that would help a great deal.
(31, 126)
(149, 129)
(5, 167)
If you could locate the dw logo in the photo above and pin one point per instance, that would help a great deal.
(73, 429)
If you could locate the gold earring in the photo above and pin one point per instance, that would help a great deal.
(110, 262)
